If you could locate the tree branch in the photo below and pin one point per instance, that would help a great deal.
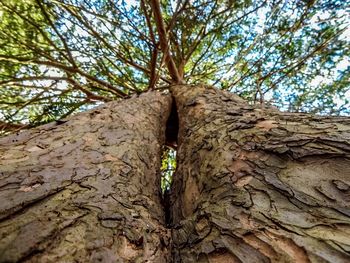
(163, 39)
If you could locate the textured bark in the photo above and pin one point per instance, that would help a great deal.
(87, 189)
(258, 185)
(252, 185)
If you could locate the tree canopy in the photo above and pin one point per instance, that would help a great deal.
(58, 57)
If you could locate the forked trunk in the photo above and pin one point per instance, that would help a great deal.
(252, 184)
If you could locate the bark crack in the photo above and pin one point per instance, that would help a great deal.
(168, 164)
(172, 127)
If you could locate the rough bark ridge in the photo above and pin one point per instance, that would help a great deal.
(87, 189)
(252, 185)
(255, 185)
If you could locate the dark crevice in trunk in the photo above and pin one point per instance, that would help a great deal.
(169, 159)
(172, 127)
(166, 205)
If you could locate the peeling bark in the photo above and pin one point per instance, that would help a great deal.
(258, 185)
(87, 189)
(252, 185)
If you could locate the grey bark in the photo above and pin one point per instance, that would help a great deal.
(87, 189)
(258, 185)
(252, 185)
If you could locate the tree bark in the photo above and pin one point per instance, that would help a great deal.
(252, 184)
(258, 185)
(87, 189)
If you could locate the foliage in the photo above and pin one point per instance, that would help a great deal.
(167, 168)
(61, 56)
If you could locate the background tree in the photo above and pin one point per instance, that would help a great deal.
(59, 57)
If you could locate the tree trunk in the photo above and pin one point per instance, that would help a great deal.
(87, 189)
(252, 185)
(258, 185)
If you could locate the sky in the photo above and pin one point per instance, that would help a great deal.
(341, 65)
